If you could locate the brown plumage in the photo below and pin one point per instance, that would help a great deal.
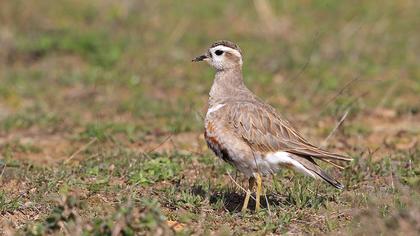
(250, 134)
(264, 131)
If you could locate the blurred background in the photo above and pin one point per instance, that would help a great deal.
(120, 73)
(87, 60)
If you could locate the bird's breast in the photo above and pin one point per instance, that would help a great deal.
(215, 144)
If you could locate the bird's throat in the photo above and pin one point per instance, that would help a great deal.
(227, 83)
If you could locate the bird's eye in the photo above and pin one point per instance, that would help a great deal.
(218, 52)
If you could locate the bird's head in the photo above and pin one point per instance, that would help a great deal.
(222, 55)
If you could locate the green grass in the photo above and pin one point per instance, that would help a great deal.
(128, 179)
(96, 47)
(101, 115)
(8, 204)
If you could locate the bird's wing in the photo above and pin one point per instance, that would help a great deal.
(264, 131)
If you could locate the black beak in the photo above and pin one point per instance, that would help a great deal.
(200, 58)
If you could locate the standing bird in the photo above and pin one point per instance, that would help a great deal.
(248, 133)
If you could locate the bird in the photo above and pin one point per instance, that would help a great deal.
(251, 135)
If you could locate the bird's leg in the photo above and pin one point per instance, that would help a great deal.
(259, 190)
(251, 183)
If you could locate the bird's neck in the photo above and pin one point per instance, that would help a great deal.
(227, 84)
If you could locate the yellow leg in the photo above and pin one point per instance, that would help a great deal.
(259, 191)
(251, 183)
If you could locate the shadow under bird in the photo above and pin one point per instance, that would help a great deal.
(249, 134)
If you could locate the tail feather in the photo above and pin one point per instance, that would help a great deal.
(325, 155)
(329, 179)
(312, 169)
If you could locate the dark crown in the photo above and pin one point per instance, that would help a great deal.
(226, 44)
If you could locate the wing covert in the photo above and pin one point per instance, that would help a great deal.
(265, 131)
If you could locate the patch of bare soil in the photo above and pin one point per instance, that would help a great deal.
(190, 142)
(45, 149)
(388, 133)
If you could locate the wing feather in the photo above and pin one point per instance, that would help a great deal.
(264, 131)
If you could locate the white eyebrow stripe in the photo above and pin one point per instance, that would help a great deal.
(228, 49)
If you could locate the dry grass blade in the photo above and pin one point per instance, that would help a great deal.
(2, 171)
(333, 98)
(236, 183)
(81, 149)
(336, 127)
(160, 144)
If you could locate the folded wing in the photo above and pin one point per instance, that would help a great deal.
(264, 131)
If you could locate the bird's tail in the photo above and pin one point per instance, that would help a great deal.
(327, 178)
(310, 168)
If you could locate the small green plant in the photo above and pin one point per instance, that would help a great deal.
(8, 203)
(15, 146)
(105, 131)
(300, 195)
(131, 219)
(187, 199)
(153, 170)
(63, 216)
(409, 170)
